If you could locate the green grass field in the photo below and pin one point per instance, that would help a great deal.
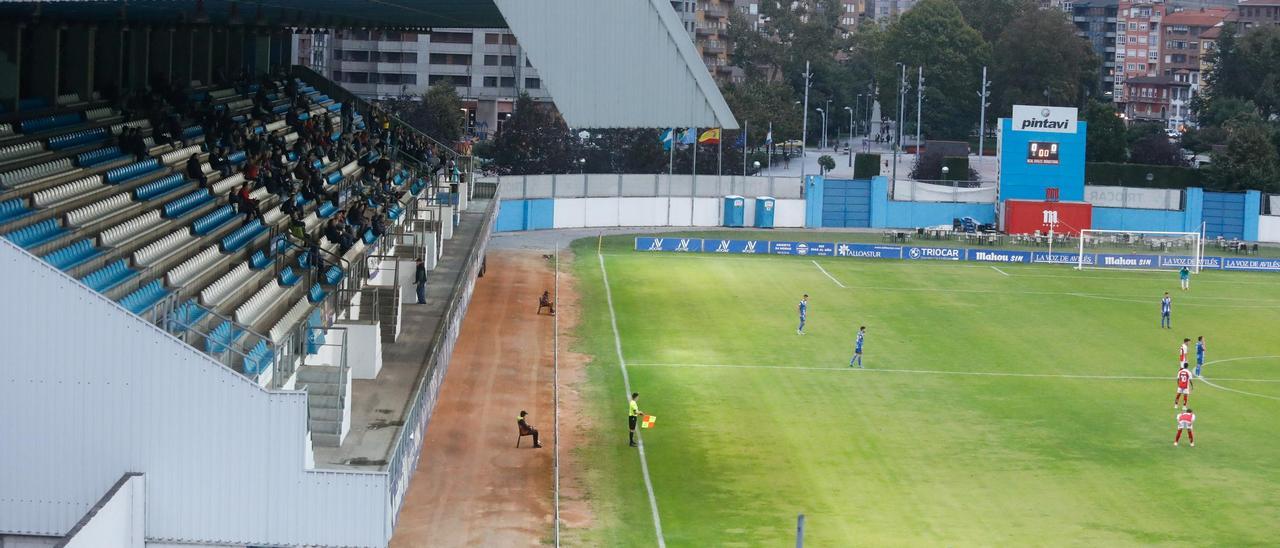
(1029, 407)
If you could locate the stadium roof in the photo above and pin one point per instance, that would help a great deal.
(606, 63)
(294, 13)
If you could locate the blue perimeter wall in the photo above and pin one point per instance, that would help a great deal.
(886, 213)
(516, 215)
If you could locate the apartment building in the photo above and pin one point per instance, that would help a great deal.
(884, 11)
(707, 22)
(1251, 13)
(488, 67)
(1182, 56)
(1095, 22)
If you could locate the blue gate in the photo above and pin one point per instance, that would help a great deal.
(846, 203)
(1223, 215)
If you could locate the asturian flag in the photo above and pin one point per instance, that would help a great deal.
(667, 138)
(690, 136)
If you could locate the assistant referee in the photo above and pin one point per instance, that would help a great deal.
(634, 416)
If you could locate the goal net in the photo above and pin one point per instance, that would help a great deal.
(1139, 250)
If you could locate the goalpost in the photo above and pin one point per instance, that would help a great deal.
(1140, 250)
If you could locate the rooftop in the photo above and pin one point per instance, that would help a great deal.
(278, 13)
(1203, 17)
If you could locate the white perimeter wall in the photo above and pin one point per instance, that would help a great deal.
(89, 392)
(1269, 228)
(675, 211)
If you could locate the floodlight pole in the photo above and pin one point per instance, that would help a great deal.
(983, 94)
(919, 104)
(902, 84)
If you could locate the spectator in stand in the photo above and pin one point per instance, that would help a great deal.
(173, 126)
(195, 171)
(218, 160)
(420, 280)
(333, 229)
(248, 206)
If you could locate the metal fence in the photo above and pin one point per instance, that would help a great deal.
(609, 185)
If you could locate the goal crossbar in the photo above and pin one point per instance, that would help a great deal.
(1140, 250)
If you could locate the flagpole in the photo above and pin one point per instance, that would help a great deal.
(745, 125)
(720, 154)
(695, 153)
(671, 163)
(768, 147)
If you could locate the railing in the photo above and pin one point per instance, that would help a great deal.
(943, 191)
(408, 446)
(606, 185)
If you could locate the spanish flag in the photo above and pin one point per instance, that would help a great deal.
(710, 137)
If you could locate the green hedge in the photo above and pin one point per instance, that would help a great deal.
(957, 168)
(866, 166)
(1112, 174)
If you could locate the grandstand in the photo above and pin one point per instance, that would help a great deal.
(206, 251)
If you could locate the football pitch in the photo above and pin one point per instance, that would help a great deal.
(1009, 405)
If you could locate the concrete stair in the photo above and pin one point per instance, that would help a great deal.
(386, 312)
(324, 385)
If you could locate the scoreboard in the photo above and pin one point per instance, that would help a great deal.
(1042, 153)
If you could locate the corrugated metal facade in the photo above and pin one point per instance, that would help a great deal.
(89, 392)
(618, 63)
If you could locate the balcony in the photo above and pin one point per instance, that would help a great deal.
(708, 30)
(713, 47)
(712, 12)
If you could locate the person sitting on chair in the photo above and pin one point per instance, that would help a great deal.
(545, 302)
(526, 430)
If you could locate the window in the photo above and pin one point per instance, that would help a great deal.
(1142, 26)
(450, 59)
(451, 37)
(507, 82)
(508, 60)
(395, 57)
(1153, 56)
(457, 81)
(491, 60)
(491, 81)
(533, 83)
(392, 78)
(357, 77)
(1130, 67)
(492, 38)
(350, 55)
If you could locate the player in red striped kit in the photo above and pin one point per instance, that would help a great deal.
(1182, 352)
(1185, 420)
(1184, 386)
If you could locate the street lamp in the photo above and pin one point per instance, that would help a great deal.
(945, 171)
(756, 164)
(823, 143)
(582, 165)
(850, 109)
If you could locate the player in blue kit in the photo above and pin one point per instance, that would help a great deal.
(803, 307)
(1166, 308)
(857, 347)
(1199, 354)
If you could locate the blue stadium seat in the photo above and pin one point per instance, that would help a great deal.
(45, 123)
(258, 359)
(372, 157)
(213, 220)
(99, 156)
(293, 156)
(15, 208)
(192, 132)
(145, 297)
(36, 234)
(109, 276)
(237, 157)
(334, 178)
(317, 164)
(198, 96)
(187, 314)
(398, 179)
(132, 171)
(337, 134)
(368, 237)
(242, 236)
(159, 187)
(333, 275)
(72, 255)
(259, 260)
(280, 109)
(79, 138)
(394, 212)
(33, 103)
(222, 337)
(187, 203)
(326, 210)
(299, 199)
(334, 107)
(304, 116)
(316, 293)
(288, 277)
(315, 333)
(240, 119)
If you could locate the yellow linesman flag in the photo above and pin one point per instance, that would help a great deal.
(649, 421)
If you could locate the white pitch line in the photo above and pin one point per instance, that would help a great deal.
(626, 384)
(824, 271)
(1000, 271)
(1208, 382)
(935, 372)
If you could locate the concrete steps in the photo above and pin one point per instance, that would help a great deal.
(386, 313)
(324, 385)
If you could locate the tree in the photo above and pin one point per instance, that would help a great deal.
(1245, 68)
(991, 17)
(1105, 133)
(438, 112)
(826, 163)
(1039, 53)
(1249, 161)
(1156, 150)
(934, 35)
(534, 140)
(757, 104)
